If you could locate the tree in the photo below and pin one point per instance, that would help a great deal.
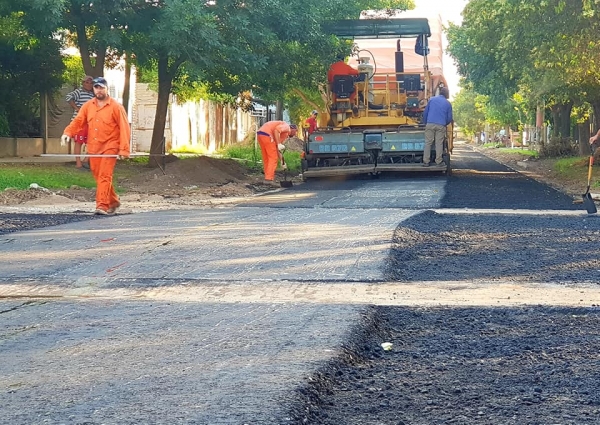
(30, 64)
(224, 46)
(95, 28)
(231, 46)
(468, 109)
(546, 50)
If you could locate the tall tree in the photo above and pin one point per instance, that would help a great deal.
(234, 45)
(95, 28)
(469, 111)
(30, 64)
(547, 49)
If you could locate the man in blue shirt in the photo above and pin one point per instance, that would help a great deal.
(437, 115)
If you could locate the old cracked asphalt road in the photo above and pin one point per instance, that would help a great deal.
(245, 314)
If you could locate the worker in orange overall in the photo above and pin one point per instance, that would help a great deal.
(271, 137)
(108, 134)
(341, 68)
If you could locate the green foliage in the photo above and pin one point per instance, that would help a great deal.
(29, 65)
(74, 73)
(252, 157)
(469, 113)
(21, 176)
(248, 154)
(194, 150)
(520, 152)
(4, 126)
(297, 106)
(524, 53)
(142, 160)
(565, 166)
(210, 50)
(575, 168)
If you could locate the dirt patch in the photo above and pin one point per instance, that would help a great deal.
(182, 175)
(190, 180)
(181, 181)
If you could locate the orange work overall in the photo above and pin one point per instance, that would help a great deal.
(268, 148)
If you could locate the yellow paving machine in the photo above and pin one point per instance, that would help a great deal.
(373, 120)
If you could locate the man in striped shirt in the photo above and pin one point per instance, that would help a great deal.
(76, 99)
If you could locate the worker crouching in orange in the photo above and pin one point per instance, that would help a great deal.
(108, 134)
(270, 136)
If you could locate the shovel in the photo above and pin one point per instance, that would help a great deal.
(285, 182)
(588, 202)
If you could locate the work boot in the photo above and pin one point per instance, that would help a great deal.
(426, 164)
(113, 208)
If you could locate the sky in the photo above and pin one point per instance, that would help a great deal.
(450, 11)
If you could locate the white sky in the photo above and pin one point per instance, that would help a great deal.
(449, 10)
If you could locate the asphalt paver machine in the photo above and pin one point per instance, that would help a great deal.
(373, 121)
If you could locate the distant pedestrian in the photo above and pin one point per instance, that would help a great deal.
(76, 99)
(108, 134)
(436, 117)
(271, 135)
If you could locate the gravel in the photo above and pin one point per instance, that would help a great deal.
(450, 365)
(19, 222)
(530, 365)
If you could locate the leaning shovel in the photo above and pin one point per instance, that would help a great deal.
(588, 202)
(285, 182)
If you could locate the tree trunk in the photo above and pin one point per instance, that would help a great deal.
(126, 86)
(584, 137)
(97, 68)
(561, 116)
(596, 120)
(555, 120)
(279, 110)
(565, 119)
(165, 83)
(595, 128)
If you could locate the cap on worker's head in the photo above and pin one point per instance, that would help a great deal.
(88, 79)
(100, 81)
(315, 112)
(293, 127)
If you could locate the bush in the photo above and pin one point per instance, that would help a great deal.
(559, 147)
